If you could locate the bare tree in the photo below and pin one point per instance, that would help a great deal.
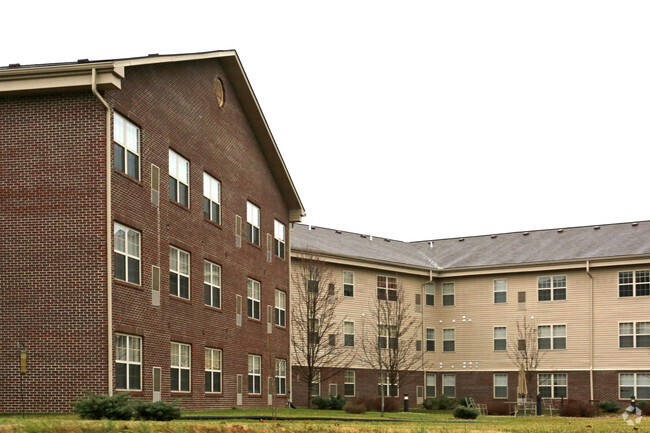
(523, 350)
(318, 350)
(390, 335)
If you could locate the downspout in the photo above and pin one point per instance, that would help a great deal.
(424, 340)
(591, 333)
(289, 307)
(109, 256)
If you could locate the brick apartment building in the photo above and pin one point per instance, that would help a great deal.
(584, 291)
(146, 210)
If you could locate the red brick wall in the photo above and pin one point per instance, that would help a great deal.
(175, 107)
(52, 255)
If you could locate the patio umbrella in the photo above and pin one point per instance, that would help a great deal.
(522, 387)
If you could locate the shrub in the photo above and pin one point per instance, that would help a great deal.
(577, 409)
(157, 411)
(429, 403)
(443, 402)
(336, 402)
(608, 406)
(645, 410)
(462, 401)
(374, 403)
(642, 404)
(321, 403)
(351, 407)
(498, 408)
(463, 412)
(103, 406)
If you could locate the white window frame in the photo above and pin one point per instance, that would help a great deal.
(129, 356)
(315, 384)
(122, 129)
(386, 288)
(176, 255)
(214, 367)
(280, 308)
(211, 197)
(387, 336)
(279, 239)
(179, 172)
(553, 384)
(448, 294)
(212, 284)
(554, 290)
(182, 362)
(634, 282)
(634, 385)
(349, 378)
(384, 381)
(253, 222)
(430, 294)
(553, 337)
(348, 326)
(254, 374)
(281, 376)
(503, 338)
(449, 381)
(497, 380)
(348, 284)
(430, 334)
(130, 251)
(430, 382)
(500, 291)
(446, 339)
(634, 334)
(254, 291)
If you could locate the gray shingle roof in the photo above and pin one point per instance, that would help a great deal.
(575, 243)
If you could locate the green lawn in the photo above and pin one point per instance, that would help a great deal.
(400, 422)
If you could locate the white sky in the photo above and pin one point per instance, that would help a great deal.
(413, 119)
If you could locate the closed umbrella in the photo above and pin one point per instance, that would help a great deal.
(522, 387)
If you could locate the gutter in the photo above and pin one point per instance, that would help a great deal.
(591, 332)
(109, 256)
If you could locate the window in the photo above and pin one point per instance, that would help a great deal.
(551, 337)
(551, 288)
(315, 385)
(279, 241)
(212, 370)
(179, 273)
(126, 254)
(449, 385)
(179, 179)
(348, 283)
(634, 283)
(390, 388)
(552, 385)
(431, 339)
(499, 338)
(253, 299)
(500, 291)
(211, 199)
(253, 223)
(254, 374)
(349, 381)
(281, 376)
(180, 368)
(448, 340)
(500, 385)
(634, 334)
(447, 294)
(128, 363)
(387, 288)
(212, 284)
(280, 308)
(430, 387)
(429, 294)
(126, 147)
(348, 334)
(634, 384)
(313, 329)
(387, 337)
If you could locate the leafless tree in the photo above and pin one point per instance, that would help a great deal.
(523, 350)
(389, 338)
(316, 326)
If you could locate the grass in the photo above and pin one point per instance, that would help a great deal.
(420, 422)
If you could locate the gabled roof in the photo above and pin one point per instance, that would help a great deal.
(610, 241)
(77, 76)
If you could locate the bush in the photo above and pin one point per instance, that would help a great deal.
(321, 403)
(429, 403)
(157, 411)
(645, 410)
(463, 412)
(391, 404)
(462, 401)
(336, 402)
(351, 407)
(103, 406)
(577, 409)
(443, 402)
(608, 406)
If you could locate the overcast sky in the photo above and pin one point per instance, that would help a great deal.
(412, 120)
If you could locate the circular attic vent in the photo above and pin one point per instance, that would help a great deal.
(219, 92)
